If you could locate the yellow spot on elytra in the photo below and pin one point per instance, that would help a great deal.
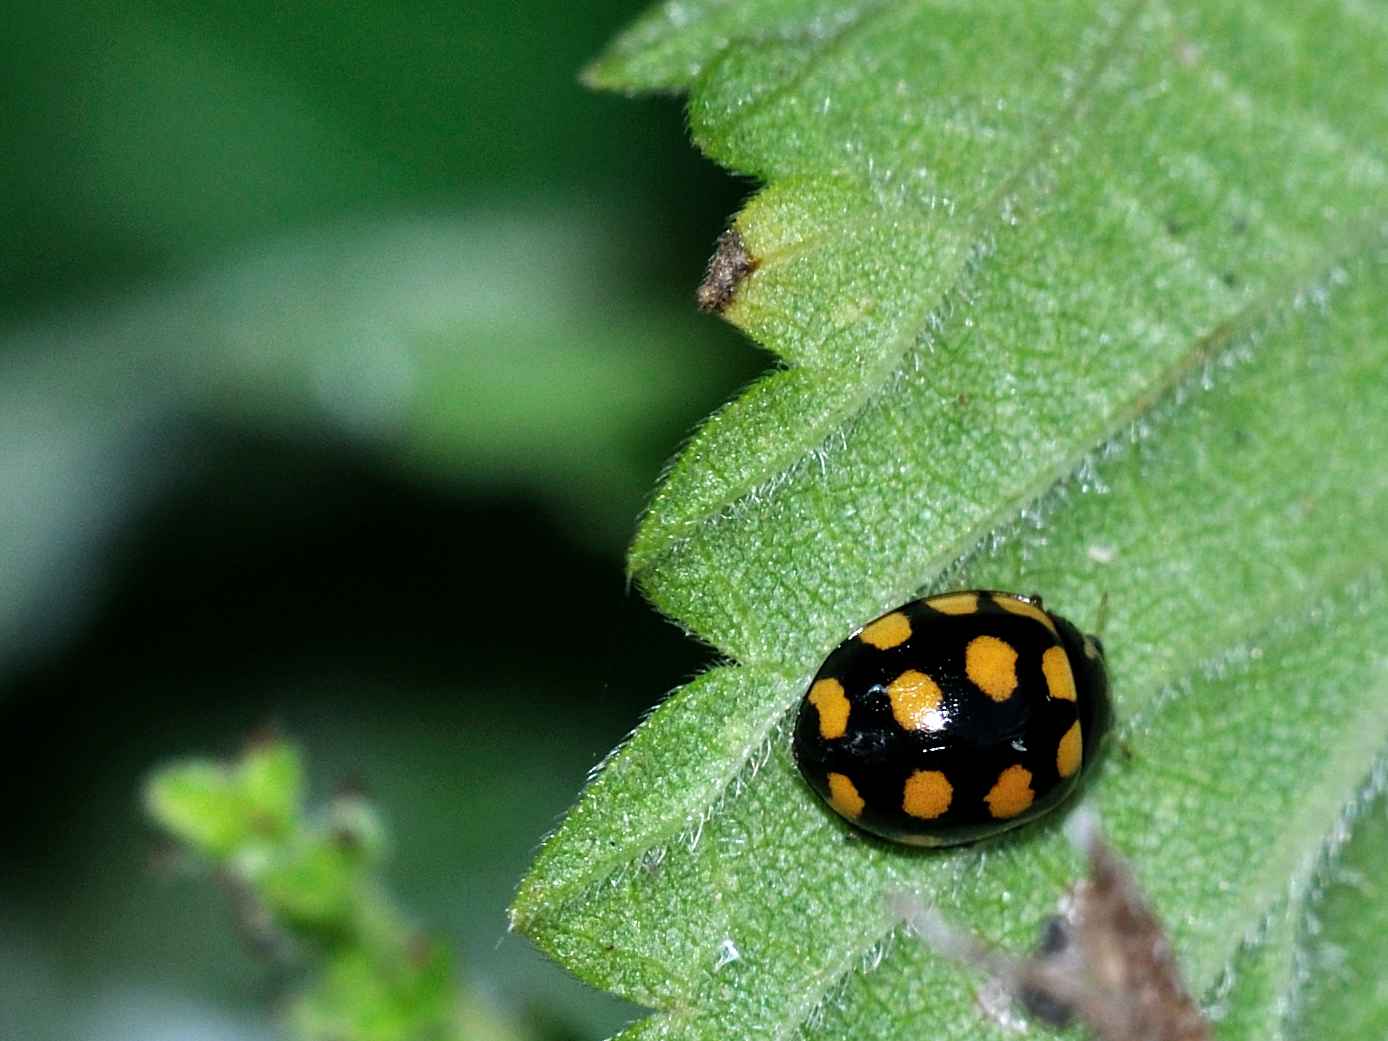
(955, 603)
(843, 796)
(992, 666)
(1060, 681)
(927, 794)
(1012, 794)
(1070, 751)
(1026, 609)
(887, 632)
(916, 701)
(828, 699)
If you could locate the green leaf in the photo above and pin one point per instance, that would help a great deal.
(1069, 301)
(362, 995)
(309, 884)
(198, 804)
(1343, 991)
(271, 780)
(1258, 977)
(217, 808)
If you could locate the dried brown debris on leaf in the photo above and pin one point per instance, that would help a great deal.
(729, 265)
(1103, 959)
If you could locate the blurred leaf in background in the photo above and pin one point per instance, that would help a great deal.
(333, 341)
(307, 884)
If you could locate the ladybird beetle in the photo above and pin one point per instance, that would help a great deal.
(954, 718)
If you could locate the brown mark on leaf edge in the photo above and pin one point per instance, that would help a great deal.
(729, 265)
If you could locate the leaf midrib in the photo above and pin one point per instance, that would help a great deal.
(1205, 350)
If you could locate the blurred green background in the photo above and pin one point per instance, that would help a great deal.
(340, 345)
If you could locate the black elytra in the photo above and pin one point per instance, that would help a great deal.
(954, 718)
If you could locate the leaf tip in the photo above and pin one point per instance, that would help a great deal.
(536, 895)
(598, 74)
(619, 69)
(522, 912)
(638, 556)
